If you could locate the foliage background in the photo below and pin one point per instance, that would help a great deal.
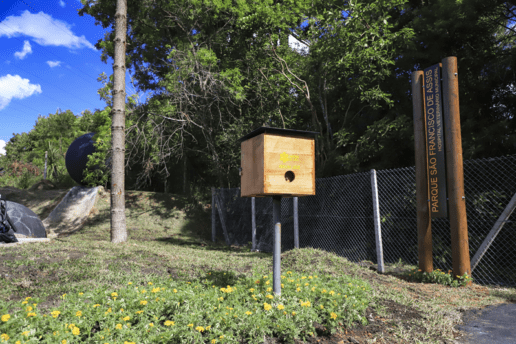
(219, 69)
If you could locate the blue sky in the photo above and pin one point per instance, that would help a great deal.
(48, 61)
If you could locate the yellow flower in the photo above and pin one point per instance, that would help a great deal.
(269, 289)
(151, 324)
(322, 307)
(310, 277)
(155, 290)
(31, 315)
(26, 333)
(63, 341)
(5, 317)
(150, 283)
(333, 315)
(126, 318)
(298, 289)
(143, 302)
(221, 337)
(4, 336)
(96, 305)
(294, 313)
(266, 306)
(130, 283)
(281, 307)
(114, 294)
(269, 296)
(118, 326)
(200, 328)
(169, 323)
(139, 312)
(24, 302)
(190, 325)
(76, 331)
(265, 277)
(78, 314)
(248, 313)
(208, 328)
(332, 292)
(282, 285)
(323, 291)
(80, 294)
(251, 290)
(267, 282)
(175, 290)
(28, 309)
(313, 288)
(213, 341)
(307, 284)
(144, 291)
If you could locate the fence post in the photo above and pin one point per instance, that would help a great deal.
(424, 221)
(296, 223)
(213, 229)
(45, 172)
(253, 222)
(455, 169)
(377, 224)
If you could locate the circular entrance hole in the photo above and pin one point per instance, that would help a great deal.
(289, 176)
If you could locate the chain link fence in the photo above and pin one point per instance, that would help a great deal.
(340, 219)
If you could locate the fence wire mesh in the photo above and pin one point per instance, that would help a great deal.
(340, 219)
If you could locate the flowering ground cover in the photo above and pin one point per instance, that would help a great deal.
(170, 284)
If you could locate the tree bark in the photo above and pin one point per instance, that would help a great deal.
(118, 223)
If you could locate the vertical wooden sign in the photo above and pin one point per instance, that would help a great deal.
(435, 142)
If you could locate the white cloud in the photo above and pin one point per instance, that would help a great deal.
(44, 30)
(27, 49)
(53, 64)
(13, 86)
(2, 147)
(61, 3)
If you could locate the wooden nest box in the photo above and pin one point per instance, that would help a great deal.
(278, 162)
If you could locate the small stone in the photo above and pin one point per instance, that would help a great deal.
(353, 340)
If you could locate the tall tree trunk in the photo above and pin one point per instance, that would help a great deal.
(118, 224)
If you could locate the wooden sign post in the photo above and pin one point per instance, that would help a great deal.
(279, 163)
(439, 162)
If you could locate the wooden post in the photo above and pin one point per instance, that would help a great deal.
(424, 222)
(454, 169)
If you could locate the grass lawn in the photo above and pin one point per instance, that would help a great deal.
(170, 284)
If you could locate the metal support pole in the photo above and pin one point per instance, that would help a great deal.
(45, 172)
(253, 222)
(296, 223)
(276, 257)
(377, 224)
(424, 221)
(213, 228)
(455, 169)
